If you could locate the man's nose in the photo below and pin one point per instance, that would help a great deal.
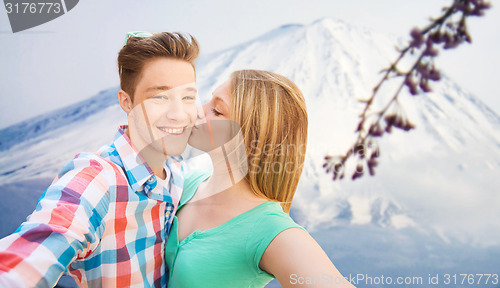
(176, 112)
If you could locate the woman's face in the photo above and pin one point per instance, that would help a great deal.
(219, 107)
(214, 128)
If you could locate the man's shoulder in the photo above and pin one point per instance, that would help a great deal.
(90, 161)
(89, 171)
(95, 158)
(106, 156)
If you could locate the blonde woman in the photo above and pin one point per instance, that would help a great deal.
(232, 228)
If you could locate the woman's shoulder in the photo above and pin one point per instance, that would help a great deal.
(269, 221)
(194, 175)
(192, 179)
(272, 217)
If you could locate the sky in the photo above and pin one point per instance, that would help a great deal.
(74, 56)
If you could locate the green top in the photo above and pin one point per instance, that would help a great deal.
(227, 255)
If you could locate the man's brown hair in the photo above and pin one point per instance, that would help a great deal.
(139, 50)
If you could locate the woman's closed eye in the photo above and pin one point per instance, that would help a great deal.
(216, 113)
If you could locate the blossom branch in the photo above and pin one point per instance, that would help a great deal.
(445, 30)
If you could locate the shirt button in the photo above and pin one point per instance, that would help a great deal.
(151, 179)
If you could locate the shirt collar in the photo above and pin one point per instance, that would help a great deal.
(140, 176)
(137, 170)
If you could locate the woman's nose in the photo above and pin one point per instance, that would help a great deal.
(206, 110)
(200, 119)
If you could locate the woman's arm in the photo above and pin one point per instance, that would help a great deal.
(297, 260)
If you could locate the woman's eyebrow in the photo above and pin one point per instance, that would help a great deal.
(219, 99)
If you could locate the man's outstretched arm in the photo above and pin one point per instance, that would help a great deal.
(66, 225)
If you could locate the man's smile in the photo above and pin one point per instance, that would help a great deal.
(172, 130)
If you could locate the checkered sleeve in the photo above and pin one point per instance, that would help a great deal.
(65, 226)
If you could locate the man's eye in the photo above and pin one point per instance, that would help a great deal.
(216, 113)
(189, 98)
(159, 97)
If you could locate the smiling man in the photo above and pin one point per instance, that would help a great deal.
(106, 217)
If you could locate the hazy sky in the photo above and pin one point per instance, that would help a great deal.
(74, 56)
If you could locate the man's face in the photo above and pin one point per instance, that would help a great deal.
(164, 107)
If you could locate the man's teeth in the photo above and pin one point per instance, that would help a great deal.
(172, 130)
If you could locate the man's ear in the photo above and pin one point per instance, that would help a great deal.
(125, 101)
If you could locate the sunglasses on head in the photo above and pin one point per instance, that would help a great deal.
(137, 34)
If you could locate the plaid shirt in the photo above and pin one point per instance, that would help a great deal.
(103, 220)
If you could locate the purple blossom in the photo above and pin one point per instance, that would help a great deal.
(418, 38)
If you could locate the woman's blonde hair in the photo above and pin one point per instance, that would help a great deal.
(272, 114)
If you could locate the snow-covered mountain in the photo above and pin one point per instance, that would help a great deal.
(440, 179)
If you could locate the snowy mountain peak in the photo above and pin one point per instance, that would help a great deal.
(332, 24)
